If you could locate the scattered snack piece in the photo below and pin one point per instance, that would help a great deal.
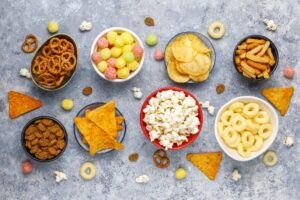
(133, 157)
(180, 173)
(88, 171)
(53, 26)
(44, 139)
(160, 159)
(220, 88)
(159, 55)
(270, 25)
(149, 21)
(20, 104)
(67, 104)
(279, 97)
(288, 141)
(25, 73)
(151, 40)
(208, 163)
(288, 72)
(27, 167)
(87, 91)
(236, 176)
(216, 30)
(55, 62)
(270, 158)
(142, 179)
(206, 104)
(211, 110)
(137, 92)
(254, 58)
(59, 176)
(30, 44)
(188, 59)
(85, 26)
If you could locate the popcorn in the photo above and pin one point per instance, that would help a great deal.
(288, 141)
(142, 179)
(235, 175)
(59, 176)
(171, 117)
(137, 92)
(211, 110)
(270, 25)
(25, 72)
(85, 26)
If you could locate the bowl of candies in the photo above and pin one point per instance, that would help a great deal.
(117, 54)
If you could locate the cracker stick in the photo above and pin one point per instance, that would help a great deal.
(242, 46)
(266, 75)
(264, 49)
(260, 75)
(252, 45)
(247, 68)
(237, 60)
(270, 54)
(249, 75)
(242, 56)
(256, 65)
(257, 58)
(239, 68)
(252, 40)
(255, 50)
(240, 51)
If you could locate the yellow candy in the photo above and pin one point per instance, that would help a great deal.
(119, 41)
(120, 63)
(67, 104)
(105, 53)
(180, 173)
(127, 38)
(133, 65)
(116, 52)
(127, 48)
(123, 72)
(53, 27)
(102, 66)
(111, 36)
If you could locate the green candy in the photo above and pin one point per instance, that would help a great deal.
(151, 40)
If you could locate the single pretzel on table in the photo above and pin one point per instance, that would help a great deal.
(160, 159)
(30, 44)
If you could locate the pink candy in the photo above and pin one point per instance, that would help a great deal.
(102, 43)
(111, 62)
(96, 57)
(137, 51)
(288, 72)
(159, 55)
(110, 73)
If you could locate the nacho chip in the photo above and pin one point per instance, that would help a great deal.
(119, 119)
(279, 97)
(105, 118)
(84, 126)
(86, 112)
(119, 127)
(208, 163)
(100, 140)
(20, 104)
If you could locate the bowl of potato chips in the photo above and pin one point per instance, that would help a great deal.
(189, 57)
(255, 57)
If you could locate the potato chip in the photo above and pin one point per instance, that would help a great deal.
(84, 126)
(197, 44)
(182, 50)
(175, 75)
(208, 163)
(101, 140)
(179, 69)
(105, 118)
(279, 97)
(200, 78)
(20, 104)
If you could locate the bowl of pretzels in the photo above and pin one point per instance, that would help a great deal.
(54, 63)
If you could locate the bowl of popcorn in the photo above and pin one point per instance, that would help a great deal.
(117, 54)
(171, 118)
(246, 127)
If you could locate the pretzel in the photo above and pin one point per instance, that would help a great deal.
(54, 66)
(30, 44)
(46, 79)
(39, 67)
(64, 44)
(160, 159)
(46, 51)
(71, 47)
(59, 81)
(39, 59)
(70, 58)
(55, 45)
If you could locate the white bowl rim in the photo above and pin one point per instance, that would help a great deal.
(119, 29)
(271, 138)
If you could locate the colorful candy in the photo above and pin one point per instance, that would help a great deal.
(151, 40)
(159, 55)
(67, 104)
(102, 66)
(288, 72)
(53, 26)
(26, 167)
(116, 52)
(119, 42)
(110, 73)
(137, 51)
(133, 65)
(127, 38)
(111, 36)
(128, 57)
(120, 62)
(96, 57)
(123, 72)
(105, 53)
(102, 43)
(111, 62)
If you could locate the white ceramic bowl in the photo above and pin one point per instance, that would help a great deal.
(117, 29)
(267, 143)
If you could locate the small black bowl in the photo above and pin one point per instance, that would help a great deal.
(23, 138)
(274, 51)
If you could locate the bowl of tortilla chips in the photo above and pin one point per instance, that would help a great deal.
(100, 128)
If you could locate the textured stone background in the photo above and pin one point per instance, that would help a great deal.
(116, 176)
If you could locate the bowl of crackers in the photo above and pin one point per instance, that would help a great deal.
(54, 64)
(189, 57)
(44, 139)
(255, 57)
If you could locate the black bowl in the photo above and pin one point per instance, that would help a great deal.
(274, 51)
(78, 136)
(23, 138)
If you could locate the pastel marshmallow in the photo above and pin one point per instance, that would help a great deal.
(288, 72)
(159, 54)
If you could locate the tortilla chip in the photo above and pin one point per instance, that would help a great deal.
(208, 163)
(86, 112)
(105, 118)
(119, 119)
(279, 97)
(119, 127)
(20, 104)
(85, 128)
(100, 140)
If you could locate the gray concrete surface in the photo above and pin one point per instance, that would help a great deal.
(115, 174)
